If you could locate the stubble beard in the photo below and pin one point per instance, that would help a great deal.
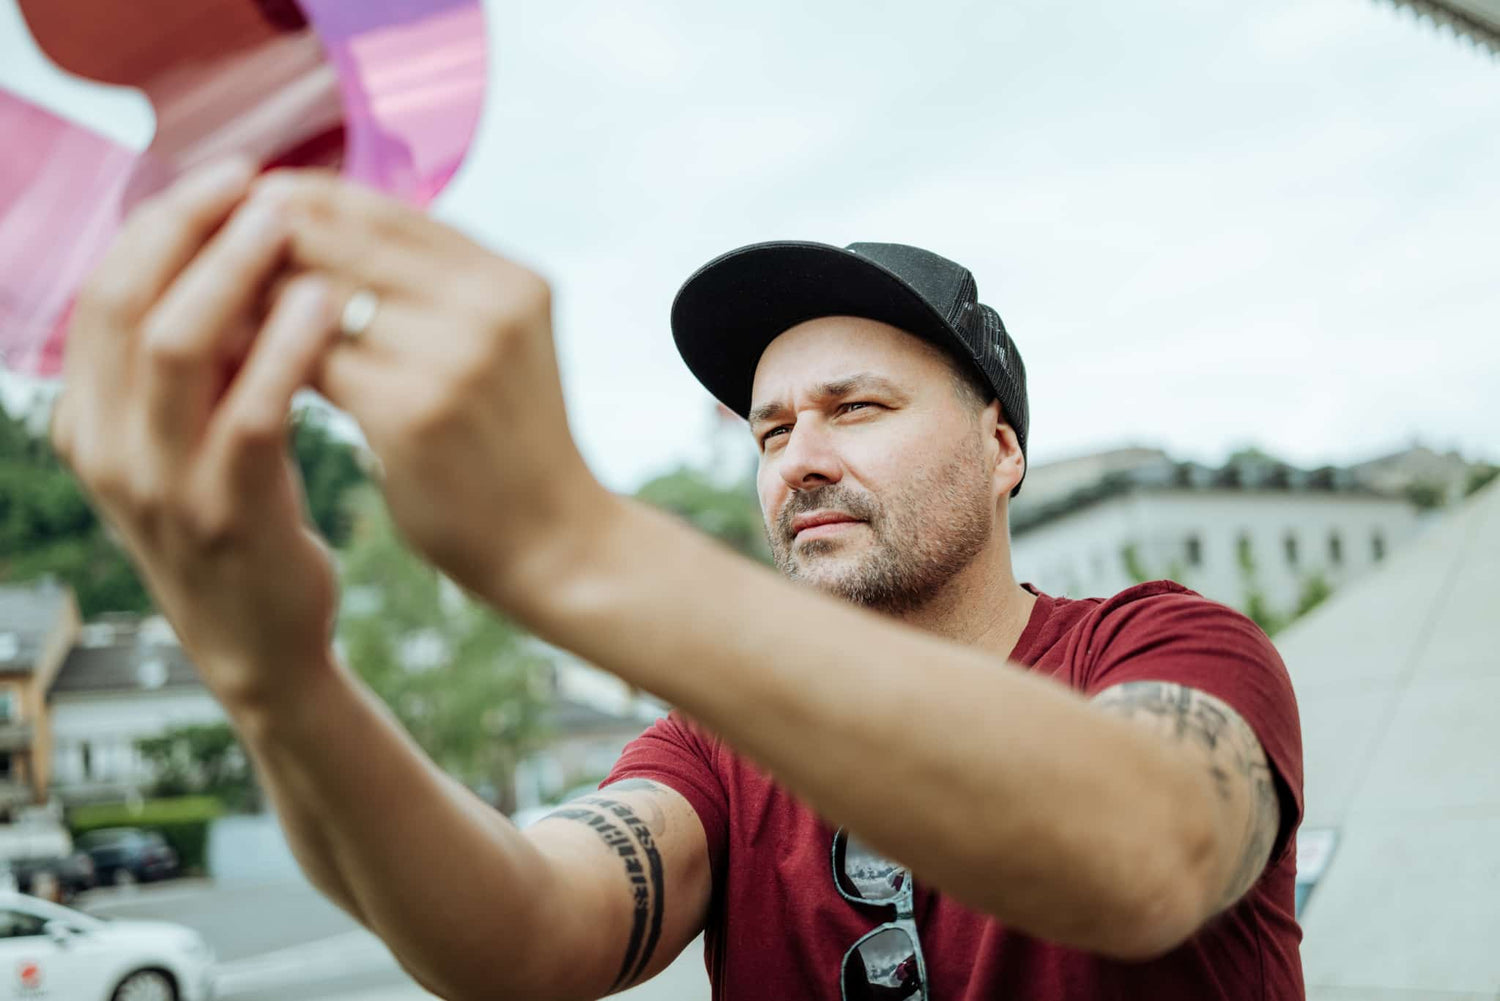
(922, 537)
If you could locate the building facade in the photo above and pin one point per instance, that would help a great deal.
(1253, 531)
(123, 681)
(39, 623)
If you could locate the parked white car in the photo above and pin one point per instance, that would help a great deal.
(54, 953)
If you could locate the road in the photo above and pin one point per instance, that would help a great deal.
(283, 941)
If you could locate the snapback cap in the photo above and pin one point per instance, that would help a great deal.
(732, 308)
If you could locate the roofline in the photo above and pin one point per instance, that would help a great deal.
(1443, 12)
(1122, 488)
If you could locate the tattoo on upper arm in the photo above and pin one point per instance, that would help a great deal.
(631, 839)
(1236, 761)
(656, 817)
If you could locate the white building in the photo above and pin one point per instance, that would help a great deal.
(120, 683)
(1256, 526)
(592, 717)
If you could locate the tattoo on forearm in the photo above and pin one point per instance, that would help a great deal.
(632, 841)
(1235, 760)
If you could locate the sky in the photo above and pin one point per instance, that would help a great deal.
(1206, 224)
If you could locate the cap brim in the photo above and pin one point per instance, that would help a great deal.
(733, 307)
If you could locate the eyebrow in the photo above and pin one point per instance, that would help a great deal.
(861, 383)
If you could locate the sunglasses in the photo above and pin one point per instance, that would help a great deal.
(887, 963)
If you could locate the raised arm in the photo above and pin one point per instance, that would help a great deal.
(1017, 795)
(174, 417)
(599, 896)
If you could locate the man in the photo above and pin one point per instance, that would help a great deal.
(1086, 799)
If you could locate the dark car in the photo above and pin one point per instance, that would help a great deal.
(129, 855)
(57, 878)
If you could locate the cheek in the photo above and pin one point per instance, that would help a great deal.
(772, 491)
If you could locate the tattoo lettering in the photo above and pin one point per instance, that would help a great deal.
(1235, 761)
(647, 885)
(656, 817)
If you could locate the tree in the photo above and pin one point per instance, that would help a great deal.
(201, 760)
(48, 527)
(330, 473)
(730, 514)
(1257, 608)
(1426, 496)
(1315, 591)
(468, 685)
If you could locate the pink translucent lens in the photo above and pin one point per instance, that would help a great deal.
(387, 90)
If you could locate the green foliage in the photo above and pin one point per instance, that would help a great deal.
(1135, 567)
(330, 472)
(1425, 496)
(730, 514)
(204, 760)
(1315, 590)
(1479, 478)
(183, 821)
(1257, 607)
(468, 685)
(48, 528)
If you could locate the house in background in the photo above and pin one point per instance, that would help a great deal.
(1255, 527)
(592, 716)
(38, 625)
(124, 680)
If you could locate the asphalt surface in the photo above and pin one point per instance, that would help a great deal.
(283, 941)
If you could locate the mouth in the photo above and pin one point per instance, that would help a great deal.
(817, 524)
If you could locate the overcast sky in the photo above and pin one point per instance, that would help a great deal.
(1206, 224)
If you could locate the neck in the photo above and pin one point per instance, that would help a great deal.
(981, 607)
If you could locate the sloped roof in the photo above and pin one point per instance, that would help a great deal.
(124, 668)
(1398, 684)
(1477, 20)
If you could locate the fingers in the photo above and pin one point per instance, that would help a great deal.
(156, 242)
(365, 238)
(248, 433)
(188, 336)
(153, 246)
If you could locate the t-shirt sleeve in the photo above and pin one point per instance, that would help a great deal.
(1186, 639)
(680, 755)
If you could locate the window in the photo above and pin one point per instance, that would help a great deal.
(10, 646)
(1377, 545)
(19, 924)
(7, 706)
(1335, 549)
(1194, 551)
(1290, 542)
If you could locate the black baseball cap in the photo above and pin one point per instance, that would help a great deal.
(733, 307)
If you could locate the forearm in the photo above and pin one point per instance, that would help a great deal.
(1002, 788)
(376, 825)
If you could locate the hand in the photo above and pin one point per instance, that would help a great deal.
(454, 383)
(174, 416)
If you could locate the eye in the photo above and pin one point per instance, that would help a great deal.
(856, 404)
(775, 432)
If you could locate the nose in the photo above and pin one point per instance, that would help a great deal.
(809, 458)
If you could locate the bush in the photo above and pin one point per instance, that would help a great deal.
(183, 822)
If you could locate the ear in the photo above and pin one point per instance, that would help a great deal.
(1010, 463)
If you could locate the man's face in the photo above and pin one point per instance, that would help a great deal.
(876, 479)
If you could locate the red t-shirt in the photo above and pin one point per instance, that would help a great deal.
(778, 928)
